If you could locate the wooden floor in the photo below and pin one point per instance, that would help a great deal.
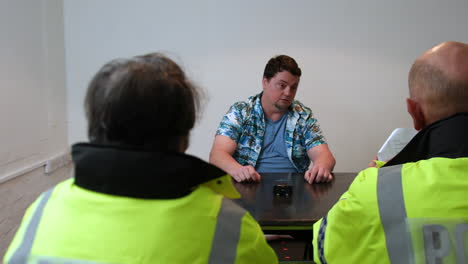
(17, 194)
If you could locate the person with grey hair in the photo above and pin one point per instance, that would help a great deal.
(135, 196)
(413, 209)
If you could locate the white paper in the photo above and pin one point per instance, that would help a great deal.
(397, 140)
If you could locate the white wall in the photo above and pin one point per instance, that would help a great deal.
(32, 84)
(355, 56)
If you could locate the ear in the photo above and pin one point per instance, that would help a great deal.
(416, 112)
(264, 82)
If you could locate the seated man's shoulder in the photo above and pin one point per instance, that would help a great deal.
(301, 108)
(245, 106)
(240, 105)
(237, 111)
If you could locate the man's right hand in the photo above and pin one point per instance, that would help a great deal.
(221, 156)
(245, 174)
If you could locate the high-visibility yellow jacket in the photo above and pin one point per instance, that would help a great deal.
(412, 210)
(135, 218)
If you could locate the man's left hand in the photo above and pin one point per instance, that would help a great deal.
(318, 174)
(323, 164)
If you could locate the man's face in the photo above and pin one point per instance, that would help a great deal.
(280, 90)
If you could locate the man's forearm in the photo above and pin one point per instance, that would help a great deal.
(327, 161)
(224, 161)
(322, 155)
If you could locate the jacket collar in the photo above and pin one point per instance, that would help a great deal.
(140, 173)
(446, 138)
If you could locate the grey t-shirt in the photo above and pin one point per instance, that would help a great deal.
(273, 157)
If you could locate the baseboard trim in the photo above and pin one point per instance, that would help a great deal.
(22, 171)
(36, 165)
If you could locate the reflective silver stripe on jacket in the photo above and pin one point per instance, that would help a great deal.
(393, 214)
(227, 233)
(22, 255)
(224, 247)
(23, 251)
(321, 240)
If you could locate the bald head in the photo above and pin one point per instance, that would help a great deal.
(438, 80)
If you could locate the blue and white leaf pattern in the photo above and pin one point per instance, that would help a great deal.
(244, 123)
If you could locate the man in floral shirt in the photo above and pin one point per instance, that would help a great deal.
(272, 132)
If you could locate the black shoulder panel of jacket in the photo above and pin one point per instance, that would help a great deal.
(138, 173)
(446, 138)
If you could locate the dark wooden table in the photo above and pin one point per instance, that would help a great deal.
(307, 204)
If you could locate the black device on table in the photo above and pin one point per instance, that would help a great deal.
(284, 203)
(283, 190)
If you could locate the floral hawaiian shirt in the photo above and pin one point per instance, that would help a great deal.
(245, 124)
